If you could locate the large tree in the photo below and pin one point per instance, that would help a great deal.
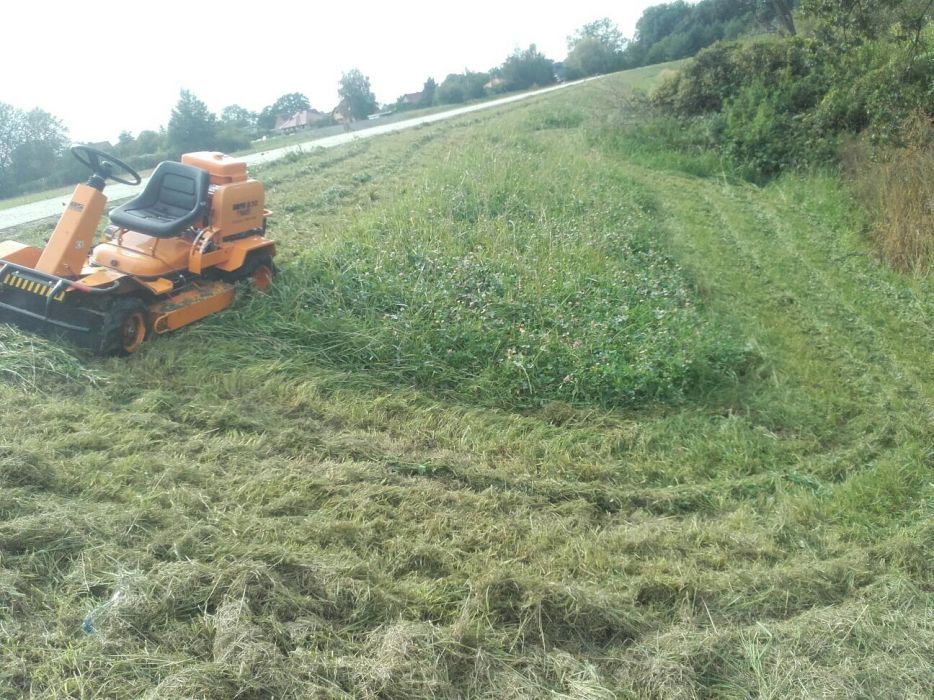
(239, 117)
(428, 92)
(126, 144)
(659, 22)
(678, 29)
(595, 48)
(30, 146)
(523, 69)
(287, 105)
(150, 141)
(192, 127)
(354, 88)
(603, 30)
(781, 12)
(460, 87)
(855, 21)
(11, 136)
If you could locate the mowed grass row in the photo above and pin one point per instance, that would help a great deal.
(308, 496)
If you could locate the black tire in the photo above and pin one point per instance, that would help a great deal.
(248, 270)
(116, 337)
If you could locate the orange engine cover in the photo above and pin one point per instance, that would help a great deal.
(237, 207)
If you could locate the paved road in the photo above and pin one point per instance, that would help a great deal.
(36, 211)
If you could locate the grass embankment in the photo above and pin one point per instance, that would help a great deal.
(640, 78)
(310, 496)
(271, 143)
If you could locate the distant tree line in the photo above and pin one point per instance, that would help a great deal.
(665, 32)
(522, 69)
(676, 30)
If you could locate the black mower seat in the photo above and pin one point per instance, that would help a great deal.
(173, 199)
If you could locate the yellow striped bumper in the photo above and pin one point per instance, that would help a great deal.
(18, 281)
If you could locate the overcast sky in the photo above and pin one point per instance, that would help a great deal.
(106, 66)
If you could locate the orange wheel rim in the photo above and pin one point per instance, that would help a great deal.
(262, 277)
(134, 330)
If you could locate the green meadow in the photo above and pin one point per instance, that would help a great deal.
(536, 408)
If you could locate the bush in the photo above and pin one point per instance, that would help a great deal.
(720, 73)
(877, 89)
(763, 129)
(784, 103)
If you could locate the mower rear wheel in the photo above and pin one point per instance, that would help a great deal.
(258, 269)
(124, 327)
(261, 276)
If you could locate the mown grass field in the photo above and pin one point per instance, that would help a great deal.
(535, 410)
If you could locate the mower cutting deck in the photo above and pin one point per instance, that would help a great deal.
(171, 256)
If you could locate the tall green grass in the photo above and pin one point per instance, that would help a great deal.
(511, 275)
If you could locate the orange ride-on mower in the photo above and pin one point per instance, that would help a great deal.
(171, 256)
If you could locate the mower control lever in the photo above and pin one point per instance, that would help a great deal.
(102, 165)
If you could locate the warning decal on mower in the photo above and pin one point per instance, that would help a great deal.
(27, 285)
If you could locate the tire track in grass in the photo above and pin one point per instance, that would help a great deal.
(751, 268)
(835, 374)
(774, 261)
(828, 285)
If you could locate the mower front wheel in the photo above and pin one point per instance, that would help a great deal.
(124, 327)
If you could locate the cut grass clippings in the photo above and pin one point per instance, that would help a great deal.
(33, 362)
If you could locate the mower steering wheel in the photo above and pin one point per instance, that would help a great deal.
(100, 163)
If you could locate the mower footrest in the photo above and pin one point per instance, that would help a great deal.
(196, 302)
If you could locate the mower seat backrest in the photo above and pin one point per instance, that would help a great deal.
(173, 199)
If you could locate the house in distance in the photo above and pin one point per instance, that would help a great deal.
(309, 118)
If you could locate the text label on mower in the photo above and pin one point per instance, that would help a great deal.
(244, 208)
